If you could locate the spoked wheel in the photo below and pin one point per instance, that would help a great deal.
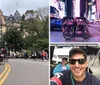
(86, 34)
(68, 35)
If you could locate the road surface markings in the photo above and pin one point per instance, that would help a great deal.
(6, 74)
(3, 71)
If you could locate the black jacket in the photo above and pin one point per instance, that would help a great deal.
(65, 78)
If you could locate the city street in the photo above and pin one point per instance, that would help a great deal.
(25, 72)
(57, 36)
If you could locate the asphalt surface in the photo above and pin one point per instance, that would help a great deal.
(1, 68)
(27, 72)
(57, 36)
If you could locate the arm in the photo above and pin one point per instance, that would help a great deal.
(53, 83)
(56, 69)
(57, 79)
(61, 78)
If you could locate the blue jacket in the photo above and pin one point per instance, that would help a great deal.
(58, 68)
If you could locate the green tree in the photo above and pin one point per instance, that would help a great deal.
(13, 39)
(41, 44)
(36, 27)
(44, 17)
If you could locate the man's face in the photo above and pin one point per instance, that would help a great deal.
(78, 70)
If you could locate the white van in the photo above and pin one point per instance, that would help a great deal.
(59, 53)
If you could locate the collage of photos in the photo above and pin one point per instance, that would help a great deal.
(24, 42)
(50, 42)
(74, 42)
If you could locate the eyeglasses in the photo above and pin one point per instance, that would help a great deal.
(80, 61)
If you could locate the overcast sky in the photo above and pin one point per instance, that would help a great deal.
(10, 6)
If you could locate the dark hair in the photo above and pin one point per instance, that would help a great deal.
(65, 59)
(74, 51)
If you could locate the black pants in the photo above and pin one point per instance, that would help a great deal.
(74, 31)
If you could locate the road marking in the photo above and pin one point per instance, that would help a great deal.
(6, 75)
(3, 71)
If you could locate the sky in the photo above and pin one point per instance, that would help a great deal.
(10, 6)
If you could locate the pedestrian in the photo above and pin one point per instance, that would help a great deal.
(32, 55)
(47, 56)
(39, 55)
(77, 74)
(5, 55)
(74, 27)
(11, 54)
(35, 54)
(43, 55)
(62, 66)
(26, 55)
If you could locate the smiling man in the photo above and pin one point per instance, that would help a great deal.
(77, 74)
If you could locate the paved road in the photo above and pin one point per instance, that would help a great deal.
(57, 36)
(27, 72)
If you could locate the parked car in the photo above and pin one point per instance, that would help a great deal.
(55, 21)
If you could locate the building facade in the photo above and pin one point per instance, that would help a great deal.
(75, 8)
(98, 9)
(3, 27)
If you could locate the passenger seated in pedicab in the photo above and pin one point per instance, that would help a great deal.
(80, 25)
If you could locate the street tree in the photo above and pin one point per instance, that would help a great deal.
(44, 17)
(35, 27)
(13, 39)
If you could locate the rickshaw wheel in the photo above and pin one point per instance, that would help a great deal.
(67, 35)
(86, 34)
